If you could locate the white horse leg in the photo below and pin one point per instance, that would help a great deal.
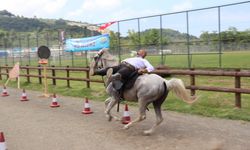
(142, 115)
(107, 101)
(111, 101)
(109, 106)
(159, 119)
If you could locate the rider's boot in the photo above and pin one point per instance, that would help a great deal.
(116, 80)
(101, 71)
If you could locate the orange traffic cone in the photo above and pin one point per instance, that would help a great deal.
(126, 117)
(24, 96)
(86, 109)
(54, 101)
(2, 142)
(4, 92)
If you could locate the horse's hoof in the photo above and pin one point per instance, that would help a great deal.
(126, 127)
(110, 118)
(147, 132)
(117, 119)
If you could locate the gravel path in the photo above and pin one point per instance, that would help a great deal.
(33, 125)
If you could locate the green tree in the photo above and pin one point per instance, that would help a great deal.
(134, 39)
(113, 40)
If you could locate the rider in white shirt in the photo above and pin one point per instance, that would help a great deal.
(118, 75)
(127, 67)
(139, 63)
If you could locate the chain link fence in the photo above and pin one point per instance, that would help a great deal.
(192, 36)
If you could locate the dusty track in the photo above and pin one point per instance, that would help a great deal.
(33, 125)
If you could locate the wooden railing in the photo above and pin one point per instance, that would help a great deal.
(4, 71)
(193, 73)
(236, 73)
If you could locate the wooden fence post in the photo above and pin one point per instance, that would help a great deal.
(67, 70)
(237, 85)
(88, 79)
(53, 75)
(28, 73)
(192, 82)
(40, 74)
(7, 71)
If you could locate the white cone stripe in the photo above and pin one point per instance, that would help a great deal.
(54, 100)
(4, 91)
(24, 94)
(87, 105)
(126, 113)
(3, 146)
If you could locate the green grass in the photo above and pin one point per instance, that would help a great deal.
(212, 104)
(228, 60)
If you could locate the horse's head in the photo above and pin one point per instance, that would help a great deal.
(104, 59)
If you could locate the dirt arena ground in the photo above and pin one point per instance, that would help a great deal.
(33, 125)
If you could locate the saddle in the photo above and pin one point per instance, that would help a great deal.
(123, 85)
(130, 83)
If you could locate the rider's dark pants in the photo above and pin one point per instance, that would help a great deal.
(124, 69)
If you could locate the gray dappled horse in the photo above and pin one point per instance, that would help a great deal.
(148, 88)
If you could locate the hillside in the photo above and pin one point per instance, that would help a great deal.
(11, 22)
(16, 31)
(171, 34)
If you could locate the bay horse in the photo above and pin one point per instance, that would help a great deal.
(148, 88)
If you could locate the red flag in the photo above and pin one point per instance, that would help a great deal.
(104, 26)
(14, 72)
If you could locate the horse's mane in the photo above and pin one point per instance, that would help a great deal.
(108, 60)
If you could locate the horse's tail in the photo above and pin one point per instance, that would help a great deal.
(177, 86)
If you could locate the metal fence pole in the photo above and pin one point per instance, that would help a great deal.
(60, 62)
(5, 49)
(37, 43)
(13, 59)
(20, 52)
(60, 41)
(139, 32)
(188, 41)
(72, 59)
(162, 63)
(28, 46)
(47, 42)
(119, 42)
(219, 30)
